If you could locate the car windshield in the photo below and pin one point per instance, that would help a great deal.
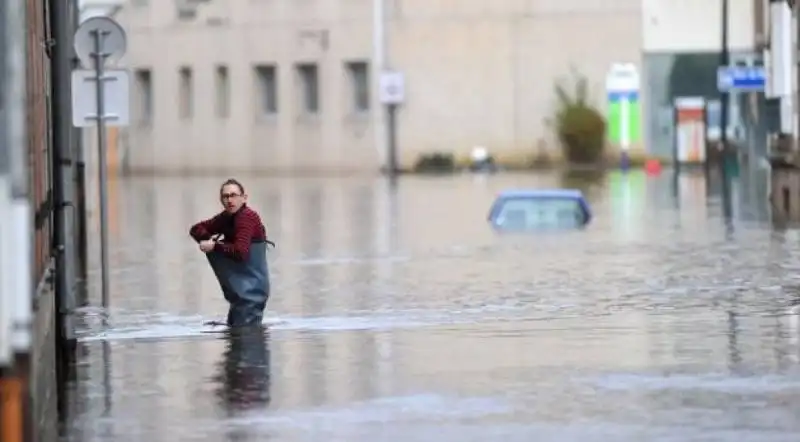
(535, 213)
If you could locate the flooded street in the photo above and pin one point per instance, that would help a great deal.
(398, 315)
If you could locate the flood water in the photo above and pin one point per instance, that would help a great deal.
(398, 315)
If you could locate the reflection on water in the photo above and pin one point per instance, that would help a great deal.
(397, 314)
(244, 372)
(586, 181)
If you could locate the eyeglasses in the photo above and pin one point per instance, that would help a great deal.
(228, 196)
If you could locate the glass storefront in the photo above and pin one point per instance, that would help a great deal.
(670, 76)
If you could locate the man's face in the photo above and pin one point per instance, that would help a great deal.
(232, 198)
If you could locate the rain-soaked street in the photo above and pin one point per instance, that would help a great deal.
(400, 316)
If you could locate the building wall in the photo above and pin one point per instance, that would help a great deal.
(477, 73)
(682, 44)
(688, 26)
(483, 73)
(38, 97)
(42, 386)
(247, 138)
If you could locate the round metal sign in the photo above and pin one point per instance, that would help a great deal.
(112, 40)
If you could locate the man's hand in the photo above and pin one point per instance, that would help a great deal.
(207, 245)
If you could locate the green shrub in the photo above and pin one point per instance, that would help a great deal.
(579, 126)
(435, 163)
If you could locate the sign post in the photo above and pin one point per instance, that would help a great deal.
(746, 79)
(741, 78)
(624, 108)
(101, 97)
(392, 95)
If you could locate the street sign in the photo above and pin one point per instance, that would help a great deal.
(116, 98)
(113, 41)
(623, 86)
(100, 97)
(392, 88)
(741, 78)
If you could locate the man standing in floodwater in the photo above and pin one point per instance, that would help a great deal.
(235, 243)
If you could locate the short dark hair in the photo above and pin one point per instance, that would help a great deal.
(232, 182)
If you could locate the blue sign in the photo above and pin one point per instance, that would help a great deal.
(741, 78)
(623, 96)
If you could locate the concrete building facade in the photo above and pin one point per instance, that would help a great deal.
(289, 85)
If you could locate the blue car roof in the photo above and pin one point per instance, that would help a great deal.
(541, 193)
(572, 194)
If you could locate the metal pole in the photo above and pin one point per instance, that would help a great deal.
(81, 218)
(81, 215)
(725, 151)
(380, 114)
(391, 112)
(724, 61)
(62, 171)
(99, 62)
(388, 133)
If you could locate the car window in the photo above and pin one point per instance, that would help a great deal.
(531, 213)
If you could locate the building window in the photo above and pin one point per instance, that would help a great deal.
(186, 98)
(267, 87)
(309, 87)
(222, 84)
(143, 80)
(358, 73)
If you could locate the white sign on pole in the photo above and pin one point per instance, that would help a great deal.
(114, 40)
(392, 88)
(116, 98)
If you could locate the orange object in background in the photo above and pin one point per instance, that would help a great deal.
(12, 393)
(652, 167)
(690, 130)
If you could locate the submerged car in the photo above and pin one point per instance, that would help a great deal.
(533, 209)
